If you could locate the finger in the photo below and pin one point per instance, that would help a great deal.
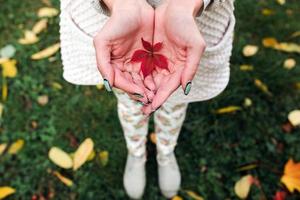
(124, 84)
(158, 79)
(194, 54)
(149, 82)
(167, 87)
(138, 80)
(103, 57)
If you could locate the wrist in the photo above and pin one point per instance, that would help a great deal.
(121, 4)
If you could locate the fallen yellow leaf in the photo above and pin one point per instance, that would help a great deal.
(4, 89)
(47, 12)
(91, 156)
(45, 53)
(2, 148)
(68, 182)
(6, 191)
(193, 195)
(291, 176)
(104, 157)
(60, 158)
(263, 87)
(40, 26)
(56, 86)
(294, 117)
(267, 12)
(16, 146)
(247, 102)
(1, 110)
(269, 42)
(177, 198)
(289, 63)
(3, 60)
(228, 109)
(288, 47)
(242, 186)
(82, 153)
(9, 68)
(250, 50)
(295, 34)
(43, 100)
(281, 2)
(246, 67)
(29, 38)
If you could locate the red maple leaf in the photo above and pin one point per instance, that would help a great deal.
(149, 58)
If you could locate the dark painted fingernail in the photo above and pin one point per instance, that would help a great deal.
(141, 103)
(188, 88)
(157, 108)
(107, 85)
(138, 95)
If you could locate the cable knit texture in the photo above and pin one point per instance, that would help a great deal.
(80, 21)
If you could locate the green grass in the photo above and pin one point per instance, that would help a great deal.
(221, 143)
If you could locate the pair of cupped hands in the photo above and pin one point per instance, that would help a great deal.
(172, 24)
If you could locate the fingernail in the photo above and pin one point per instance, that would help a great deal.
(107, 85)
(141, 103)
(157, 108)
(138, 95)
(188, 88)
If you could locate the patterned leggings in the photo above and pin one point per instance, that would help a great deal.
(168, 122)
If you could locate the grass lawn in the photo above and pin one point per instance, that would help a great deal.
(211, 147)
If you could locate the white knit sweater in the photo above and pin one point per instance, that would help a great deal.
(80, 21)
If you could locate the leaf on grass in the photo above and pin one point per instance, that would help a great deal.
(242, 186)
(9, 68)
(82, 153)
(247, 167)
(68, 182)
(281, 2)
(4, 89)
(91, 156)
(99, 86)
(8, 51)
(2, 148)
(29, 38)
(193, 195)
(16, 146)
(295, 34)
(228, 109)
(246, 67)
(5, 191)
(262, 86)
(267, 12)
(43, 100)
(289, 63)
(247, 102)
(45, 53)
(104, 157)
(153, 138)
(288, 47)
(47, 12)
(177, 198)
(280, 195)
(269, 42)
(60, 158)
(40, 26)
(294, 117)
(56, 86)
(250, 50)
(291, 176)
(1, 110)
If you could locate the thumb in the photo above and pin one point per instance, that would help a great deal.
(194, 54)
(103, 57)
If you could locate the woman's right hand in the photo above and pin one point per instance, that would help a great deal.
(115, 43)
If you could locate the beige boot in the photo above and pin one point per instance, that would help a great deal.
(168, 174)
(134, 179)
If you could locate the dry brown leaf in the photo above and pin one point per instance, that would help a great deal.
(2, 148)
(193, 195)
(43, 100)
(29, 38)
(242, 186)
(60, 158)
(5, 191)
(269, 42)
(104, 157)
(45, 53)
(250, 50)
(40, 26)
(294, 117)
(262, 86)
(68, 182)
(289, 63)
(82, 153)
(153, 138)
(47, 12)
(228, 109)
(246, 67)
(16, 146)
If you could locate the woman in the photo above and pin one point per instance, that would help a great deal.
(196, 38)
